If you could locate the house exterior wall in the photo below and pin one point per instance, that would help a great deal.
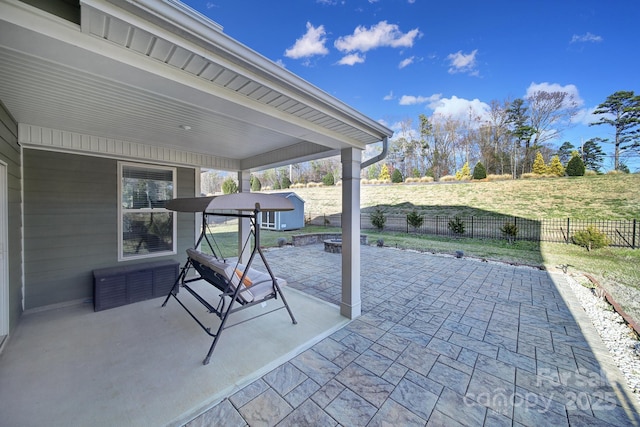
(71, 223)
(10, 154)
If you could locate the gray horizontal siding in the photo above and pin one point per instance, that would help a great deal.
(71, 223)
(10, 154)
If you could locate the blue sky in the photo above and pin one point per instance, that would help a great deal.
(395, 59)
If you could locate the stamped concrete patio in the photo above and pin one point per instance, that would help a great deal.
(442, 341)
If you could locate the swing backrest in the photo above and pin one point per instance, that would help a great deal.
(255, 286)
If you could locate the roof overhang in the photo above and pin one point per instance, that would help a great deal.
(154, 76)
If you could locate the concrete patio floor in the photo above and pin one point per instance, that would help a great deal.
(141, 364)
(442, 342)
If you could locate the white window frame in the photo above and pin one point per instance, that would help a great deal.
(265, 223)
(122, 211)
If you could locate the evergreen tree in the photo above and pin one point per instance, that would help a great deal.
(564, 152)
(518, 121)
(256, 185)
(286, 182)
(555, 167)
(229, 186)
(575, 167)
(539, 166)
(464, 173)
(328, 179)
(384, 173)
(622, 111)
(592, 154)
(396, 176)
(479, 171)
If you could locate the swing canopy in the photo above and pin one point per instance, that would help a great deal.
(231, 202)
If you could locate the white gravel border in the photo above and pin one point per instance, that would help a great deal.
(616, 335)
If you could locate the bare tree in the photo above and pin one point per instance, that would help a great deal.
(549, 114)
(497, 133)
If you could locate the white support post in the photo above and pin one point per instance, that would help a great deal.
(244, 227)
(351, 305)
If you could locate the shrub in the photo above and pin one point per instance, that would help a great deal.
(286, 182)
(384, 173)
(396, 176)
(411, 180)
(479, 171)
(447, 178)
(591, 238)
(464, 174)
(378, 219)
(456, 225)
(555, 167)
(510, 231)
(328, 179)
(590, 172)
(575, 167)
(426, 179)
(256, 185)
(229, 186)
(414, 219)
(539, 167)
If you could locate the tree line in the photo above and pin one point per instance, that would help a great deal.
(505, 142)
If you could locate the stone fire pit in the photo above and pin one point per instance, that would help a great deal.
(333, 246)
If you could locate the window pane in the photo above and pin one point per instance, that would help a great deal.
(146, 233)
(146, 188)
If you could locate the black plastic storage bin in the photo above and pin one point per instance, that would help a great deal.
(116, 286)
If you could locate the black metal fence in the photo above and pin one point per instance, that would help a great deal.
(621, 233)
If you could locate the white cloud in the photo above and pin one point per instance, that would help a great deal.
(389, 97)
(310, 44)
(460, 108)
(585, 116)
(572, 90)
(382, 34)
(463, 63)
(586, 38)
(406, 62)
(352, 59)
(413, 100)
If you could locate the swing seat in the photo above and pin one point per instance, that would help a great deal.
(255, 287)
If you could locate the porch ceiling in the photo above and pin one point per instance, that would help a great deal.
(141, 71)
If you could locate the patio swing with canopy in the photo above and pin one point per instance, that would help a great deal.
(242, 285)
